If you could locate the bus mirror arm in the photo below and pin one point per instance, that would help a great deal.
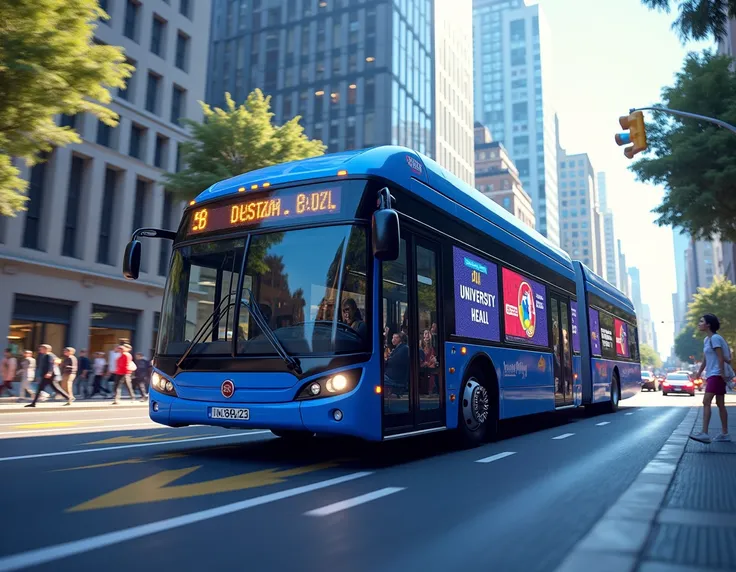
(132, 255)
(385, 229)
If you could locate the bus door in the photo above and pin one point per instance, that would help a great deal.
(562, 347)
(413, 384)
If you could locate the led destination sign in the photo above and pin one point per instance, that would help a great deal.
(284, 206)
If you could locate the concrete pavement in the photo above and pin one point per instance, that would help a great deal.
(201, 497)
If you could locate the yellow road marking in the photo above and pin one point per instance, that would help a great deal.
(49, 425)
(155, 488)
(133, 461)
(126, 439)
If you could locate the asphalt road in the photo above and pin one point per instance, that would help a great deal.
(91, 490)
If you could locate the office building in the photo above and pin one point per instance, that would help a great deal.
(359, 73)
(680, 299)
(581, 234)
(496, 177)
(512, 96)
(624, 283)
(60, 260)
(609, 235)
(703, 262)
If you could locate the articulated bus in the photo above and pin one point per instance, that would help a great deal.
(373, 294)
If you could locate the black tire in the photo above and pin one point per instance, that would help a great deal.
(664, 393)
(612, 405)
(292, 435)
(477, 411)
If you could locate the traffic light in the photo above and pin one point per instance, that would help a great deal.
(636, 134)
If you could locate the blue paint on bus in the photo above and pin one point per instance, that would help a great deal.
(524, 377)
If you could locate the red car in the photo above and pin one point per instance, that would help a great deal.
(678, 383)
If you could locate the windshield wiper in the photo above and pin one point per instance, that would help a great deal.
(215, 316)
(291, 362)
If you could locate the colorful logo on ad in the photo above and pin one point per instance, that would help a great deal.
(476, 270)
(621, 338)
(527, 312)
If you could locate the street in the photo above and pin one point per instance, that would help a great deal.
(91, 489)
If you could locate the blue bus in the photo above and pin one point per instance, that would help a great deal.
(373, 294)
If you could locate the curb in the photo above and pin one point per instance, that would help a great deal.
(615, 542)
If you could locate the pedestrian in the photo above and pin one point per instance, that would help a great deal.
(716, 358)
(28, 374)
(98, 368)
(48, 372)
(142, 374)
(69, 369)
(83, 374)
(124, 366)
(9, 369)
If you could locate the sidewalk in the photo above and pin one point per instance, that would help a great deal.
(17, 405)
(679, 515)
(695, 528)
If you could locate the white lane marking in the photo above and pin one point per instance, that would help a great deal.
(134, 446)
(628, 413)
(564, 436)
(81, 429)
(53, 553)
(496, 457)
(73, 420)
(355, 501)
(602, 423)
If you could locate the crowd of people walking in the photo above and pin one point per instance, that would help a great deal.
(73, 376)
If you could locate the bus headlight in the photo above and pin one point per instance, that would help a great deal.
(337, 384)
(162, 385)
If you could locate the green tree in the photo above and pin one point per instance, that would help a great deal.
(719, 299)
(649, 358)
(49, 64)
(235, 140)
(698, 19)
(689, 345)
(694, 160)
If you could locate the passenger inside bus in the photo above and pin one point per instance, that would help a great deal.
(396, 372)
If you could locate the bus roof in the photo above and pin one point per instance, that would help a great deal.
(397, 164)
(603, 289)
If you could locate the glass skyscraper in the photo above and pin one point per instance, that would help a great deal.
(512, 87)
(359, 72)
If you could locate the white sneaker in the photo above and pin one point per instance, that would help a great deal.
(723, 437)
(701, 437)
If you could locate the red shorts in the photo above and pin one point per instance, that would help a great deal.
(716, 385)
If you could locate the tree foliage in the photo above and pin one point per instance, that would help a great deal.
(235, 140)
(694, 160)
(49, 64)
(719, 299)
(649, 358)
(698, 19)
(689, 345)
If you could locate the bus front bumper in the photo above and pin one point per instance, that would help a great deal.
(333, 415)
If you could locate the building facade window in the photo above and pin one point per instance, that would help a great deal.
(182, 51)
(158, 36)
(108, 204)
(132, 10)
(162, 147)
(152, 92)
(178, 96)
(137, 140)
(36, 186)
(73, 200)
(165, 246)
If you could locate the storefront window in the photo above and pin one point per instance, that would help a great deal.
(109, 325)
(38, 321)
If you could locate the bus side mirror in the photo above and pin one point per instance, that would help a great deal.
(385, 230)
(132, 260)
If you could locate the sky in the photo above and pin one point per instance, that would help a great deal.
(609, 56)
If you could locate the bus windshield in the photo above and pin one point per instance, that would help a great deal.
(310, 285)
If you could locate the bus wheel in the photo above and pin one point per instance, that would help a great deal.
(615, 394)
(292, 435)
(477, 417)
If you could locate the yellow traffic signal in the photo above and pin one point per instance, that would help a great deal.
(637, 134)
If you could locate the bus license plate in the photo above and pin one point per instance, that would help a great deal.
(229, 413)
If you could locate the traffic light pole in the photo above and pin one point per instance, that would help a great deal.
(687, 114)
